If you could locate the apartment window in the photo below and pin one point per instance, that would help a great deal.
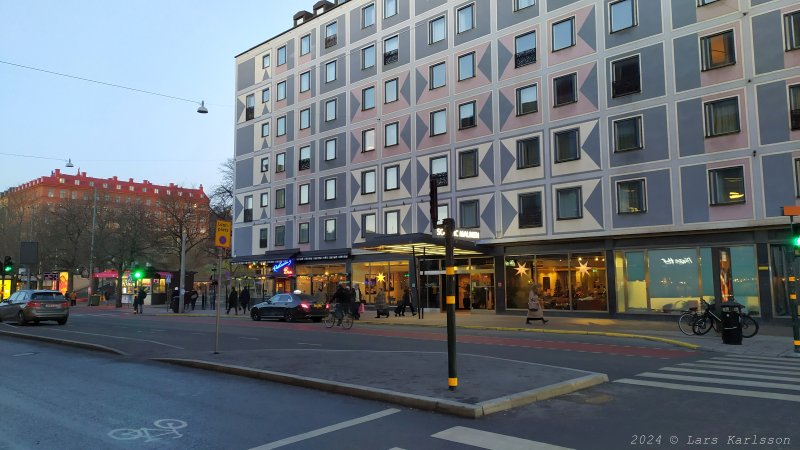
(390, 91)
(265, 164)
(263, 238)
(280, 235)
(265, 95)
(722, 117)
(438, 76)
(794, 106)
(304, 189)
(305, 45)
(468, 214)
(630, 197)
(727, 185)
(330, 71)
(439, 122)
(466, 18)
(330, 229)
(791, 23)
(718, 50)
(330, 34)
(567, 145)
(466, 66)
(369, 225)
(330, 189)
(626, 77)
(797, 177)
(466, 115)
(368, 140)
(391, 178)
(468, 163)
(265, 129)
(280, 198)
(527, 100)
(281, 55)
(330, 149)
(280, 162)
(568, 203)
(439, 165)
(305, 81)
(265, 200)
(368, 182)
(442, 212)
(281, 91)
(302, 233)
(330, 110)
(522, 4)
(392, 220)
(528, 153)
(705, 2)
(368, 57)
(368, 98)
(391, 48)
(368, 15)
(563, 34)
(437, 30)
(628, 134)
(248, 208)
(565, 89)
(389, 8)
(282, 126)
(525, 49)
(390, 134)
(250, 112)
(265, 61)
(622, 15)
(305, 158)
(530, 210)
(305, 119)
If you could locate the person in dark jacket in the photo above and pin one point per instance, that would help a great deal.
(138, 302)
(341, 298)
(233, 302)
(193, 296)
(244, 299)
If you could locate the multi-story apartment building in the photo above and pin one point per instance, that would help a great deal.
(628, 156)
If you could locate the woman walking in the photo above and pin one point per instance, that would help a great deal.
(535, 310)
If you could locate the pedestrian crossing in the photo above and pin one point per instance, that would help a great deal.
(744, 376)
(489, 441)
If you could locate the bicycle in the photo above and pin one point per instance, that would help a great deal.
(687, 320)
(709, 320)
(338, 315)
(164, 428)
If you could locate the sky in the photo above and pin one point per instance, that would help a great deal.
(179, 48)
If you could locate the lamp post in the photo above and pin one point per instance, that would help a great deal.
(91, 247)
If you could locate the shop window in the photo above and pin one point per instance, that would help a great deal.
(722, 117)
(368, 15)
(280, 162)
(438, 76)
(263, 238)
(567, 145)
(438, 122)
(330, 189)
(390, 91)
(368, 98)
(368, 57)
(280, 198)
(305, 81)
(631, 197)
(468, 213)
(466, 66)
(564, 34)
(437, 30)
(390, 134)
(468, 163)
(566, 90)
(302, 233)
(368, 182)
(280, 235)
(466, 18)
(628, 134)
(248, 208)
(524, 49)
(792, 30)
(622, 15)
(391, 178)
(527, 100)
(368, 140)
(281, 91)
(392, 220)
(368, 225)
(674, 278)
(305, 118)
(304, 193)
(250, 112)
(718, 50)
(569, 203)
(530, 210)
(727, 185)
(439, 166)
(330, 229)
(305, 45)
(281, 55)
(626, 77)
(466, 115)
(528, 153)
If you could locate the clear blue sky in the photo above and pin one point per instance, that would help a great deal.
(180, 48)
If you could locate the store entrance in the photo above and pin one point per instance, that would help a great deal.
(474, 288)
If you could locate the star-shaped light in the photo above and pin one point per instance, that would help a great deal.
(583, 268)
(522, 269)
(381, 277)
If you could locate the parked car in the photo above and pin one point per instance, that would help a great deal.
(290, 307)
(35, 305)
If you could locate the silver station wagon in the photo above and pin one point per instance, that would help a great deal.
(34, 306)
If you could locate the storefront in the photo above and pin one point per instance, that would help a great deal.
(319, 273)
(156, 287)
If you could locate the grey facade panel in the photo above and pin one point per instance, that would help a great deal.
(356, 72)
(421, 6)
(356, 31)
(242, 241)
(691, 137)
(488, 214)
(507, 17)
(655, 134)
(246, 74)
(777, 192)
(341, 113)
(651, 71)
(759, 2)
(658, 201)
(341, 75)
(341, 153)
(340, 35)
(244, 173)
(401, 16)
(482, 20)
(423, 47)
(591, 146)
(773, 122)
(589, 86)
(687, 62)
(341, 233)
(244, 140)
(594, 204)
(649, 15)
(694, 194)
(403, 55)
(768, 39)
(553, 5)
(684, 12)
(239, 108)
(290, 91)
(588, 32)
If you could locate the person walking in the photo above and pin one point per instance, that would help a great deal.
(244, 299)
(233, 302)
(138, 302)
(193, 296)
(405, 301)
(535, 310)
(356, 292)
(381, 307)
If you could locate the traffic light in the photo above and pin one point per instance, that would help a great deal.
(137, 272)
(8, 266)
(795, 235)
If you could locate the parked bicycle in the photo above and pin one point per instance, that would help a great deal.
(709, 319)
(687, 319)
(338, 315)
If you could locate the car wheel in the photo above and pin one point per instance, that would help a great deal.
(62, 321)
(288, 315)
(255, 314)
(21, 319)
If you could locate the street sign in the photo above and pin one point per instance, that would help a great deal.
(222, 237)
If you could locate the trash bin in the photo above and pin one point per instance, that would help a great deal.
(174, 305)
(731, 323)
(94, 300)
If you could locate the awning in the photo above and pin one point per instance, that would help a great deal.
(324, 255)
(113, 274)
(269, 257)
(419, 243)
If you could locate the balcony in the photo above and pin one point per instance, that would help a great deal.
(625, 87)
(524, 58)
(795, 115)
(330, 41)
(304, 164)
(390, 57)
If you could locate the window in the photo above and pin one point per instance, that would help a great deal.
(280, 198)
(305, 81)
(305, 45)
(248, 208)
(368, 182)
(389, 8)
(391, 48)
(368, 57)
(622, 15)
(630, 197)
(437, 30)
(439, 165)
(468, 163)
(330, 229)
(466, 66)
(390, 91)
(390, 134)
(791, 24)
(565, 89)
(302, 233)
(265, 95)
(626, 77)
(466, 115)
(330, 110)
(705, 2)
(797, 177)
(468, 213)
(466, 18)
(794, 106)
(528, 153)
(305, 118)
(563, 34)
(265, 200)
(265, 164)
(530, 210)
(280, 235)
(280, 162)
(304, 193)
(265, 61)
(439, 122)
(281, 91)
(368, 225)
(718, 50)
(567, 148)
(391, 178)
(282, 126)
(727, 185)
(330, 149)
(330, 71)
(442, 212)
(281, 55)
(392, 219)
(522, 4)
(305, 158)
(263, 238)
(527, 100)
(265, 129)
(250, 112)
(368, 15)
(568, 203)
(722, 117)
(525, 49)
(330, 189)
(368, 98)
(368, 140)
(628, 134)
(438, 76)
(330, 34)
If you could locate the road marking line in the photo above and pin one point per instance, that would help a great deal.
(712, 390)
(119, 337)
(764, 358)
(760, 366)
(762, 384)
(328, 429)
(777, 365)
(308, 343)
(491, 441)
(729, 374)
(249, 338)
(736, 368)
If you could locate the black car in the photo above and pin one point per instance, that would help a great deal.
(290, 307)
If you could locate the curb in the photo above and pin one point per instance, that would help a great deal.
(472, 411)
(84, 345)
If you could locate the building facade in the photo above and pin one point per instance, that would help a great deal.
(628, 156)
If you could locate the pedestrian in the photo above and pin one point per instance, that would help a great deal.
(175, 304)
(535, 310)
(138, 302)
(405, 301)
(233, 302)
(356, 292)
(203, 304)
(381, 307)
(244, 299)
(193, 296)
(187, 300)
(341, 300)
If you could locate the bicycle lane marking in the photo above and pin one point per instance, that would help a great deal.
(110, 336)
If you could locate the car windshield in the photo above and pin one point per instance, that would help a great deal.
(47, 296)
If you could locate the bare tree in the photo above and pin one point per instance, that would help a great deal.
(222, 194)
(181, 216)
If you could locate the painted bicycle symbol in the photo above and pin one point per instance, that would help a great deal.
(164, 428)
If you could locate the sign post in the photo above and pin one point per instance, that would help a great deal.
(794, 228)
(222, 240)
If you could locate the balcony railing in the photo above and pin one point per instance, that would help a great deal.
(390, 57)
(795, 114)
(524, 58)
(625, 87)
(304, 164)
(330, 41)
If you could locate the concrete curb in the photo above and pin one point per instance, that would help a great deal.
(52, 340)
(410, 400)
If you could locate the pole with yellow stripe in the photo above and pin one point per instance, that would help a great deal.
(450, 297)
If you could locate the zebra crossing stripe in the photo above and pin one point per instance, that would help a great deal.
(737, 368)
(795, 362)
(761, 384)
(758, 363)
(730, 374)
(712, 390)
(491, 441)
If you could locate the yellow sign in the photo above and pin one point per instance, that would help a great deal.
(222, 237)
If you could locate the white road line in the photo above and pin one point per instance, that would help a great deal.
(712, 390)
(199, 334)
(328, 429)
(729, 374)
(775, 364)
(308, 343)
(761, 384)
(760, 366)
(491, 441)
(248, 338)
(119, 337)
(736, 368)
(762, 358)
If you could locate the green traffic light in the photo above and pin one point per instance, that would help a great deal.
(796, 241)
(137, 274)
(7, 269)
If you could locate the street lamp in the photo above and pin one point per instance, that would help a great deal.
(202, 109)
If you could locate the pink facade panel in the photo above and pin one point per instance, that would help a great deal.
(739, 211)
(483, 103)
(584, 105)
(510, 120)
(402, 147)
(480, 79)
(507, 44)
(727, 73)
(581, 47)
(716, 9)
(403, 85)
(729, 141)
(428, 94)
(427, 141)
(359, 155)
(356, 99)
